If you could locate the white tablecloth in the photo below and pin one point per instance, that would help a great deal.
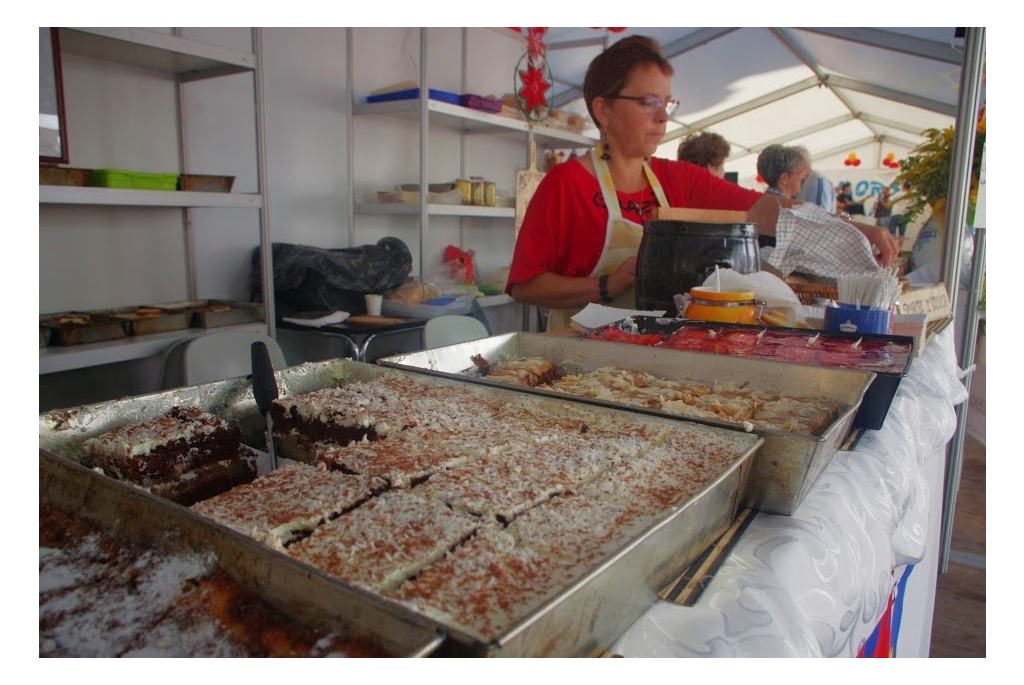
(817, 582)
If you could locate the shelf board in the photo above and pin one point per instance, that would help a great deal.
(58, 358)
(158, 51)
(468, 120)
(402, 208)
(85, 195)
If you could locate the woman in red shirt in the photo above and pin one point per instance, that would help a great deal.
(583, 227)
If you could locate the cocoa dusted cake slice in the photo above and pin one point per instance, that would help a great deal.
(185, 455)
(289, 502)
(483, 586)
(387, 540)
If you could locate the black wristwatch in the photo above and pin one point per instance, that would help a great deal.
(602, 286)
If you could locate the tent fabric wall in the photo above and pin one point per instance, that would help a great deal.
(866, 91)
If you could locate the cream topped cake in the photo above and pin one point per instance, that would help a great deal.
(402, 461)
(575, 530)
(667, 474)
(385, 541)
(289, 502)
(185, 455)
(483, 586)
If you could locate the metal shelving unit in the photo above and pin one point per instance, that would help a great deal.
(188, 61)
(428, 113)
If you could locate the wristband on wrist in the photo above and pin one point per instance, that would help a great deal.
(602, 286)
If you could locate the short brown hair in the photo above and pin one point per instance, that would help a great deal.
(609, 71)
(705, 149)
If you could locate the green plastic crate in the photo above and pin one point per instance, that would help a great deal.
(136, 180)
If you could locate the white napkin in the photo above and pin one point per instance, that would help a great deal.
(333, 317)
(597, 315)
(767, 287)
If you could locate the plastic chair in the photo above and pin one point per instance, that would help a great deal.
(216, 356)
(451, 329)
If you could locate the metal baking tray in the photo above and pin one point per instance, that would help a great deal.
(583, 618)
(296, 590)
(787, 464)
(166, 320)
(879, 395)
(97, 328)
(217, 313)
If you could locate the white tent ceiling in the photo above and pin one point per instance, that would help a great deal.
(866, 91)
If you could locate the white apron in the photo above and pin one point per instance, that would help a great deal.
(621, 241)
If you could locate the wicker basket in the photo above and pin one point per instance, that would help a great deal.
(806, 292)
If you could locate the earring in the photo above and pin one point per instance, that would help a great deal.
(604, 155)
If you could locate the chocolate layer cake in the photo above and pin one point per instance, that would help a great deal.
(185, 455)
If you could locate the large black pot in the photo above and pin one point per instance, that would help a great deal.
(675, 256)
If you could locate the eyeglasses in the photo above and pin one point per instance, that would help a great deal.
(652, 105)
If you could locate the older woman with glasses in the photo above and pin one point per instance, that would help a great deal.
(583, 227)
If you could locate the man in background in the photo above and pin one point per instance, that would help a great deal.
(816, 188)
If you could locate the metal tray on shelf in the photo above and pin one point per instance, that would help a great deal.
(217, 313)
(81, 328)
(582, 618)
(139, 321)
(785, 467)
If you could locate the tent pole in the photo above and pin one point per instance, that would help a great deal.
(956, 218)
(963, 155)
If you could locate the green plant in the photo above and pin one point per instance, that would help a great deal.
(927, 170)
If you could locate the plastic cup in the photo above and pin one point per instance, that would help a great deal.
(373, 304)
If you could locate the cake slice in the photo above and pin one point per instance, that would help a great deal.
(668, 474)
(402, 462)
(184, 455)
(483, 586)
(573, 531)
(289, 502)
(385, 541)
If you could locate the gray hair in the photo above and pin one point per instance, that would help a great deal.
(776, 160)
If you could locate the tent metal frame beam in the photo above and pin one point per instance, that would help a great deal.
(897, 42)
(834, 81)
(785, 139)
(811, 62)
(892, 123)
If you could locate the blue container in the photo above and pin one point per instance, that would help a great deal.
(849, 318)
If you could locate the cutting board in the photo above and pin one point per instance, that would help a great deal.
(369, 321)
(527, 181)
(705, 216)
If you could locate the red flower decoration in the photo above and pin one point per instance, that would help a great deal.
(533, 88)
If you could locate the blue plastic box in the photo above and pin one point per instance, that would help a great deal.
(414, 94)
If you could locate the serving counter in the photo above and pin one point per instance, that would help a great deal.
(863, 544)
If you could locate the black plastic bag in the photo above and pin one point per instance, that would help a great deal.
(311, 279)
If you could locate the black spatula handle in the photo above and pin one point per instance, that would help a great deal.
(264, 384)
